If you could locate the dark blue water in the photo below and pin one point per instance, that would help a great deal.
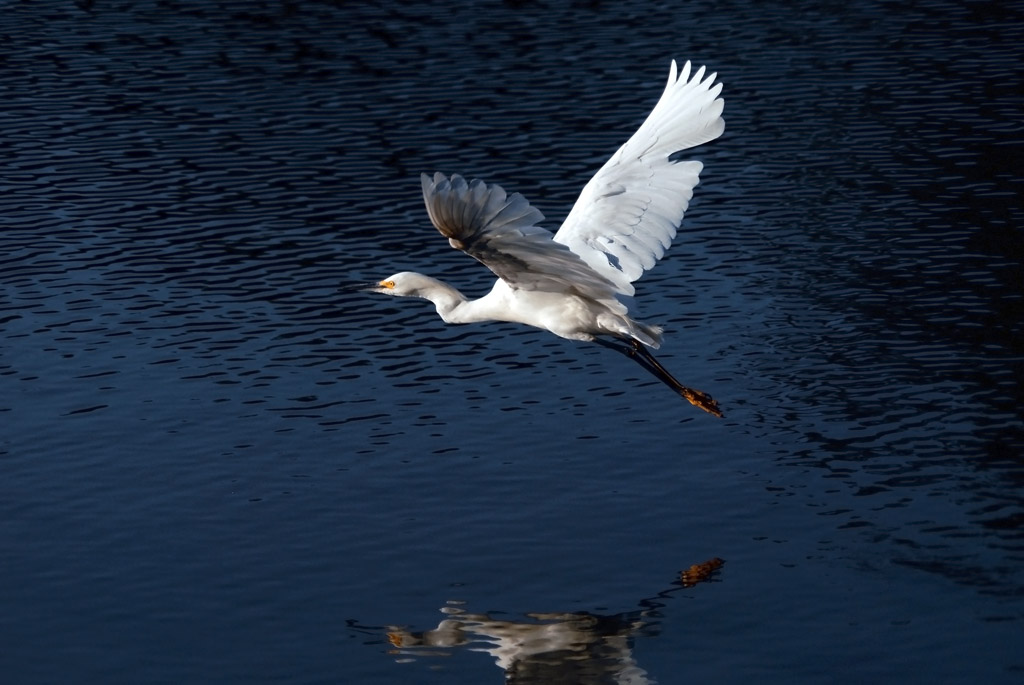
(217, 467)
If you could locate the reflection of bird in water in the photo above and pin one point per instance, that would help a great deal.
(579, 648)
(572, 282)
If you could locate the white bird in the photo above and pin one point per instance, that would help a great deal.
(571, 283)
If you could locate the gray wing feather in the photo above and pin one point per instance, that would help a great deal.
(501, 232)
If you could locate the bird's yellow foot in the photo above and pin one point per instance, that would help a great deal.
(701, 400)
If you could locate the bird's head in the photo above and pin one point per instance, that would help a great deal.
(403, 284)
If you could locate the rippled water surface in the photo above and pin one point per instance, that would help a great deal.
(219, 467)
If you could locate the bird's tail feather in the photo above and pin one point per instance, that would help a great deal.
(648, 334)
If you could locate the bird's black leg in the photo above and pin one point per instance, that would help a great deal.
(695, 397)
(636, 351)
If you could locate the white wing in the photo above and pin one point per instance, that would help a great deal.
(627, 215)
(500, 231)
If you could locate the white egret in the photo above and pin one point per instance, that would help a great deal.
(571, 283)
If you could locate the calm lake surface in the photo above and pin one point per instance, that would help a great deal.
(219, 467)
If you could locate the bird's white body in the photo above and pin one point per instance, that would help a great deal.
(573, 283)
(569, 316)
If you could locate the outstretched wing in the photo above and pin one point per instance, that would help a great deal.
(627, 215)
(501, 232)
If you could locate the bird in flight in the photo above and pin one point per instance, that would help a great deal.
(573, 282)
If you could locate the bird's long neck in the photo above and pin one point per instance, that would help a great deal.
(453, 306)
(446, 299)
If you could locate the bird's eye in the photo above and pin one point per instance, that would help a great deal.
(387, 284)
